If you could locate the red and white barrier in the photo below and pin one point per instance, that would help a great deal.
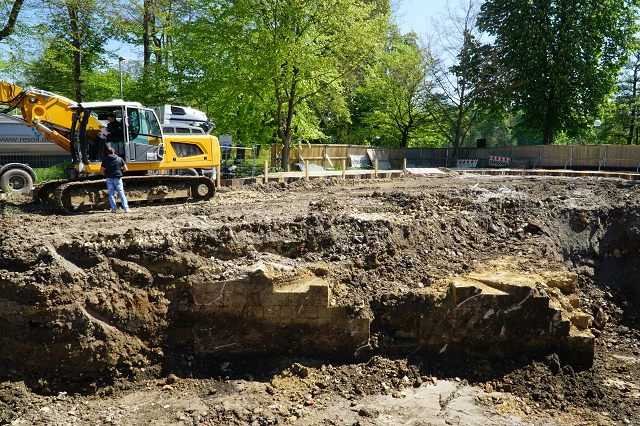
(496, 161)
(467, 163)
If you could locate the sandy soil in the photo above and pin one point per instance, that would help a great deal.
(375, 239)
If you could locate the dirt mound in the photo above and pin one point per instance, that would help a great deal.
(328, 291)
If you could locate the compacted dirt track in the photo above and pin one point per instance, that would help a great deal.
(102, 321)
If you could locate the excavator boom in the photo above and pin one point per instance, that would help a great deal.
(45, 111)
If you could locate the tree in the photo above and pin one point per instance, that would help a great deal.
(72, 36)
(396, 89)
(562, 57)
(627, 103)
(12, 18)
(150, 24)
(465, 73)
(278, 55)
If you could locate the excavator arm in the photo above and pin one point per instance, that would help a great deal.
(47, 112)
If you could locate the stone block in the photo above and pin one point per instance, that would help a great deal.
(202, 299)
(272, 312)
(462, 293)
(319, 295)
(581, 320)
(234, 300)
(574, 301)
(289, 312)
(309, 312)
(295, 299)
(252, 299)
(202, 294)
(274, 299)
(566, 281)
(332, 313)
(239, 286)
(251, 311)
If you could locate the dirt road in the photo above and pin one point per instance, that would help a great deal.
(99, 321)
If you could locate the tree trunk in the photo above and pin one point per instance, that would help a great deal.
(456, 137)
(284, 134)
(405, 138)
(286, 139)
(634, 109)
(285, 129)
(147, 18)
(11, 20)
(547, 136)
(76, 42)
(459, 118)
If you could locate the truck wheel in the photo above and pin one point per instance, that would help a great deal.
(16, 181)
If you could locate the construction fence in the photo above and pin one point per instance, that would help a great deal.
(587, 157)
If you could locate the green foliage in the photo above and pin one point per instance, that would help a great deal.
(338, 71)
(11, 10)
(466, 75)
(267, 62)
(53, 71)
(63, 45)
(623, 120)
(395, 92)
(52, 173)
(563, 57)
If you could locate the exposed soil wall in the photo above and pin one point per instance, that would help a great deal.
(506, 283)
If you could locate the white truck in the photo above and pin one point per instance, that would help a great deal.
(179, 115)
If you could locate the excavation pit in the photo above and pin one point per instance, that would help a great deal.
(471, 277)
(496, 312)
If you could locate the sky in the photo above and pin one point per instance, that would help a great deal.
(416, 14)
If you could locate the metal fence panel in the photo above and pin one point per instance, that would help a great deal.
(555, 156)
(538, 156)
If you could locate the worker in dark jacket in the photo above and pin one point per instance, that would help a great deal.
(113, 167)
(114, 128)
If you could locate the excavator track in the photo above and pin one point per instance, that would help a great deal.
(44, 192)
(89, 195)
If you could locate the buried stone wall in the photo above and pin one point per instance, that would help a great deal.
(494, 312)
(273, 312)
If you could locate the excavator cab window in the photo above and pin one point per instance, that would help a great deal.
(145, 136)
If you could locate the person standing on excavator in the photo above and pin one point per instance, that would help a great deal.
(114, 128)
(114, 134)
(113, 167)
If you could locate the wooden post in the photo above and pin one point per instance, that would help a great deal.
(404, 165)
(344, 168)
(375, 168)
(324, 157)
(266, 171)
(218, 173)
(306, 169)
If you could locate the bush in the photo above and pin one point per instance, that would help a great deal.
(52, 173)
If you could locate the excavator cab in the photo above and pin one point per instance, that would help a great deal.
(132, 130)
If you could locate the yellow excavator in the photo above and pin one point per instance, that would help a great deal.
(162, 168)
